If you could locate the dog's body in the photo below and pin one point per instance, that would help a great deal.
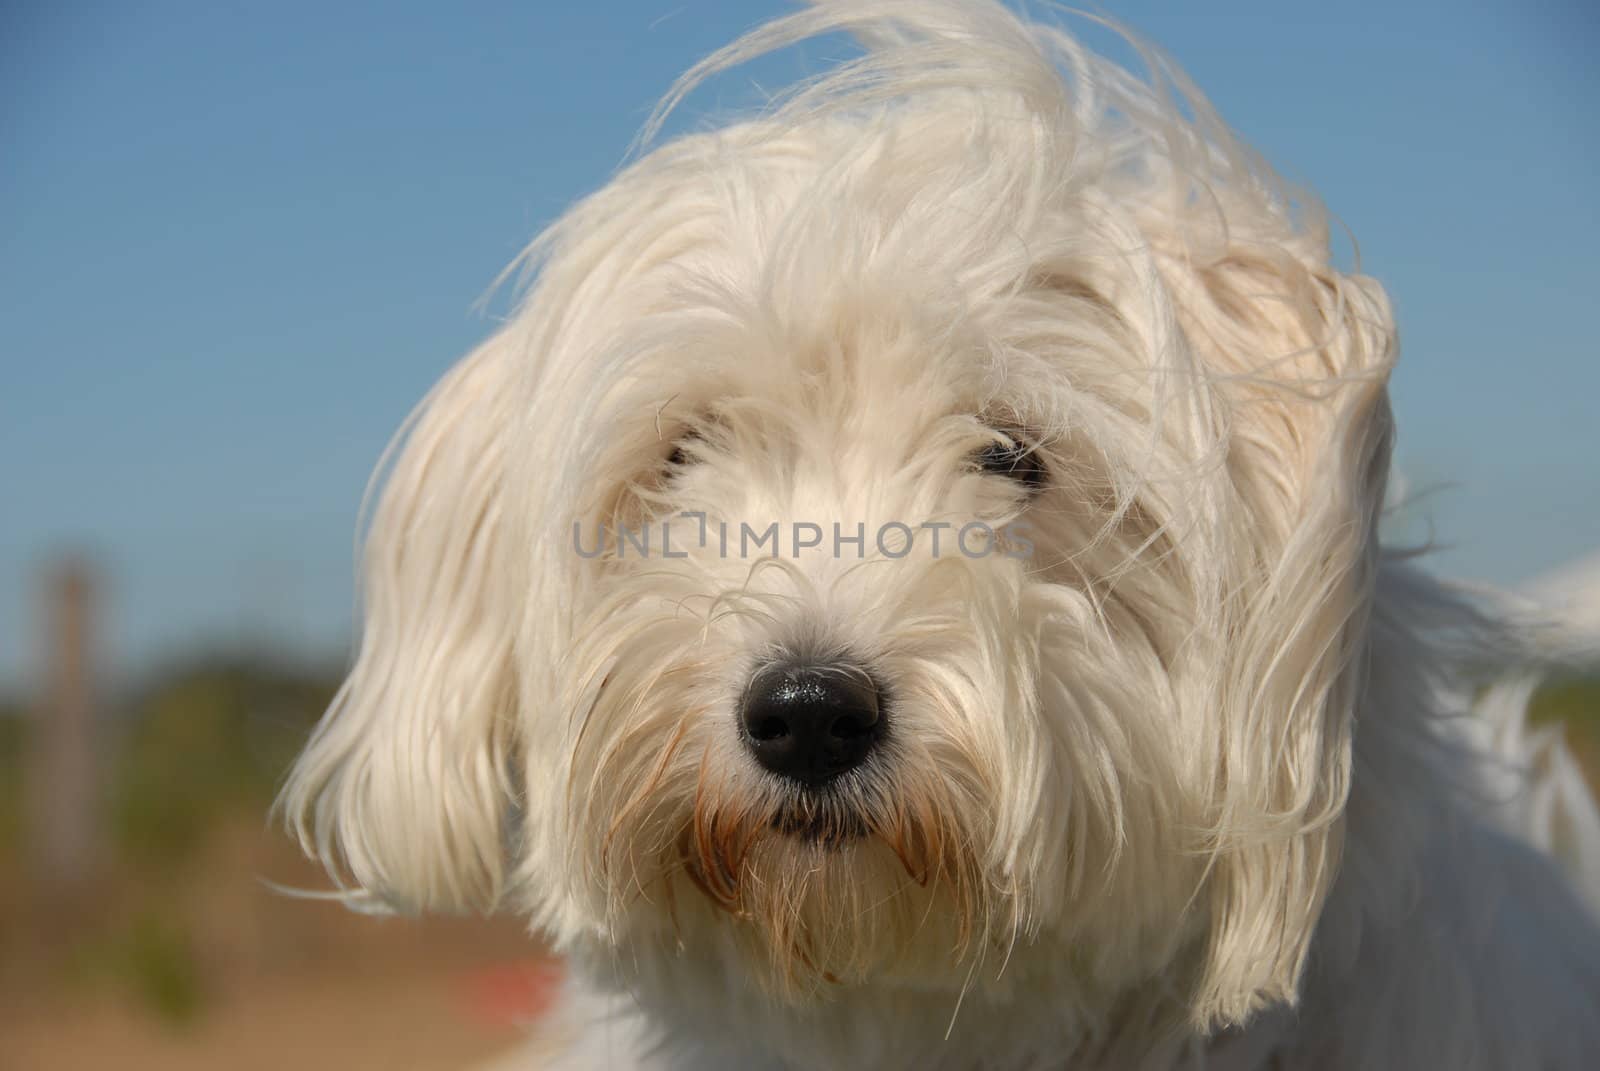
(1162, 771)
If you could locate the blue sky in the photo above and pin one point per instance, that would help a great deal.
(238, 242)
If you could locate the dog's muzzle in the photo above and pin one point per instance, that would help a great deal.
(811, 722)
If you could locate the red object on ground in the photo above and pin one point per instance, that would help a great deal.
(512, 994)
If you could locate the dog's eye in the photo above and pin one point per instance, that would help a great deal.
(679, 456)
(1015, 460)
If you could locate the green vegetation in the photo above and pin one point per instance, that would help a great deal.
(214, 737)
(151, 957)
(204, 738)
(12, 740)
(202, 742)
(1574, 701)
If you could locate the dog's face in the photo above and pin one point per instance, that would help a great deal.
(835, 648)
(884, 543)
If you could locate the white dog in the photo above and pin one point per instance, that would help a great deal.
(903, 592)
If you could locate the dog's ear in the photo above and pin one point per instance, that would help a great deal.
(1298, 354)
(402, 790)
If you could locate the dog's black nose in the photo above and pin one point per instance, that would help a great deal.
(811, 723)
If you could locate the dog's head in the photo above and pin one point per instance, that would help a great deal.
(930, 521)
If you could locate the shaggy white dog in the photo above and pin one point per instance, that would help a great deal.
(903, 592)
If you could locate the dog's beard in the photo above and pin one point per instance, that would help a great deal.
(876, 874)
(862, 879)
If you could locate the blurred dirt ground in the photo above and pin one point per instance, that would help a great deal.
(409, 1019)
(223, 972)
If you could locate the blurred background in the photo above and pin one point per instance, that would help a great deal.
(238, 243)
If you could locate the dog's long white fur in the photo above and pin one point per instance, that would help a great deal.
(1185, 788)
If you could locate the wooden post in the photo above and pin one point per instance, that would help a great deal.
(65, 826)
